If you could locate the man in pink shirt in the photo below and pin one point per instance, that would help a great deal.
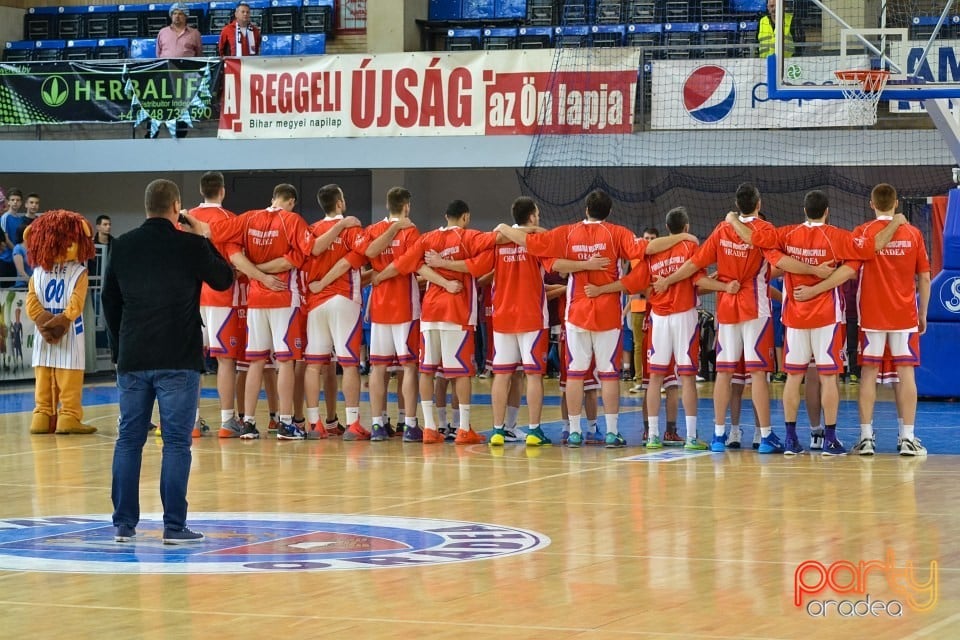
(178, 40)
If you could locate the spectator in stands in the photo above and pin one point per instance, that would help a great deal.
(102, 241)
(20, 262)
(9, 223)
(178, 40)
(240, 37)
(766, 32)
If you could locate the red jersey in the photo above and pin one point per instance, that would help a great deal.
(519, 300)
(815, 243)
(887, 287)
(263, 235)
(210, 213)
(347, 245)
(682, 296)
(745, 263)
(581, 241)
(396, 300)
(452, 243)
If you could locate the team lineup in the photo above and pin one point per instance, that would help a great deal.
(295, 313)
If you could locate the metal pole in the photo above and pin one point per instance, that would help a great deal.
(936, 32)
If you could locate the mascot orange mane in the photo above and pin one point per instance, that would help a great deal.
(59, 243)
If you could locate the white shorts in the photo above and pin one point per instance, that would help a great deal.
(674, 339)
(751, 339)
(394, 342)
(450, 347)
(904, 347)
(603, 347)
(528, 348)
(334, 327)
(826, 345)
(272, 330)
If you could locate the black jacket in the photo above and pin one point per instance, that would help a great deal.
(151, 296)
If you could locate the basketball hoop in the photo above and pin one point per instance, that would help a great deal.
(862, 89)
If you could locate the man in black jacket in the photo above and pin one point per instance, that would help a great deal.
(151, 302)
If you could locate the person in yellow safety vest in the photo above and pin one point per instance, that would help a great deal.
(767, 29)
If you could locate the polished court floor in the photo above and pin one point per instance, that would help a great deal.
(588, 543)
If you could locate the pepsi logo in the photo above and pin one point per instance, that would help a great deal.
(709, 94)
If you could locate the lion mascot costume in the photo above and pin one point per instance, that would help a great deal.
(59, 244)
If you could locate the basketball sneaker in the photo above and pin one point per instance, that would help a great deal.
(719, 443)
(378, 433)
(317, 432)
(290, 432)
(333, 427)
(911, 447)
(536, 438)
(695, 444)
(355, 432)
(469, 437)
(430, 436)
(614, 441)
(756, 438)
(654, 442)
(594, 436)
(498, 437)
(413, 434)
(200, 428)
(733, 439)
(511, 435)
(230, 429)
(770, 444)
(833, 448)
(672, 439)
(816, 439)
(791, 447)
(866, 447)
(574, 439)
(249, 431)
(274, 426)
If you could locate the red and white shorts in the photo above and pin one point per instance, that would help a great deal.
(674, 343)
(825, 345)
(274, 330)
(751, 340)
(902, 346)
(602, 347)
(510, 350)
(447, 346)
(394, 343)
(225, 331)
(334, 327)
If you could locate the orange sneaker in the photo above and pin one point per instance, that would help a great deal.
(356, 432)
(200, 428)
(469, 437)
(432, 436)
(273, 426)
(317, 432)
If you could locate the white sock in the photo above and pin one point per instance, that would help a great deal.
(900, 424)
(197, 417)
(734, 433)
(719, 430)
(313, 415)
(353, 415)
(511, 422)
(653, 427)
(377, 421)
(226, 415)
(456, 416)
(384, 418)
(765, 431)
(907, 432)
(402, 417)
(410, 422)
(594, 428)
(575, 424)
(611, 419)
(691, 427)
(428, 418)
(286, 419)
(464, 417)
(441, 418)
(866, 431)
(534, 426)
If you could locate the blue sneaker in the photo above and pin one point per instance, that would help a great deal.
(833, 448)
(791, 447)
(536, 438)
(574, 440)
(563, 437)
(498, 437)
(595, 437)
(719, 443)
(770, 444)
(614, 441)
(290, 432)
(125, 533)
(413, 434)
(378, 433)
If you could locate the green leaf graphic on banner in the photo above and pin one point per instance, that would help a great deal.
(54, 91)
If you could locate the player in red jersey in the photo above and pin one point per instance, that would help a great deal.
(593, 324)
(891, 317)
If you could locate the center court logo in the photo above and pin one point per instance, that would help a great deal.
(709, 94)
(256, 542)
(817, 581)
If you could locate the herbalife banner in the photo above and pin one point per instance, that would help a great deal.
(162, 92)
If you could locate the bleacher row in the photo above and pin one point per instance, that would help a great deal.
(290, 27)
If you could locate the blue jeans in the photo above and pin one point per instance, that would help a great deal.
(175, 390)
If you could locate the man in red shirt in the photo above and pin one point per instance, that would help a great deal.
(593, 324)
(240, 37)
(890, 319)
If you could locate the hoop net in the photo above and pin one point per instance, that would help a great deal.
(862, 89)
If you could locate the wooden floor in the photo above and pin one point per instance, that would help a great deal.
(703, 546)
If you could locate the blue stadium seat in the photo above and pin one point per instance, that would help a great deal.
(100, 21)
(219, 15)
(608, 35)
(283, 16)
(40, 23)
(644, 35)
(500, 38)
(155, 18)
(747, 36)
(576, 12)
(208, 45)
(112, 49)
(748, 6)
(80, 49)
(510, 9)
(258, 10)
(679, 37)
(70, 23)
(309, 44)
(478, 10)
(921, 27)
(718, 36)
(536, 37)
(48, 50)
(316, 16)
(277, 45)
(143, 48)
(572, 36)
(18, 51)
(463, 39)
(130, 20)
(198, 16)
(443, 10)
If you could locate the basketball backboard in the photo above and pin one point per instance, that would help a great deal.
(917, 41)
